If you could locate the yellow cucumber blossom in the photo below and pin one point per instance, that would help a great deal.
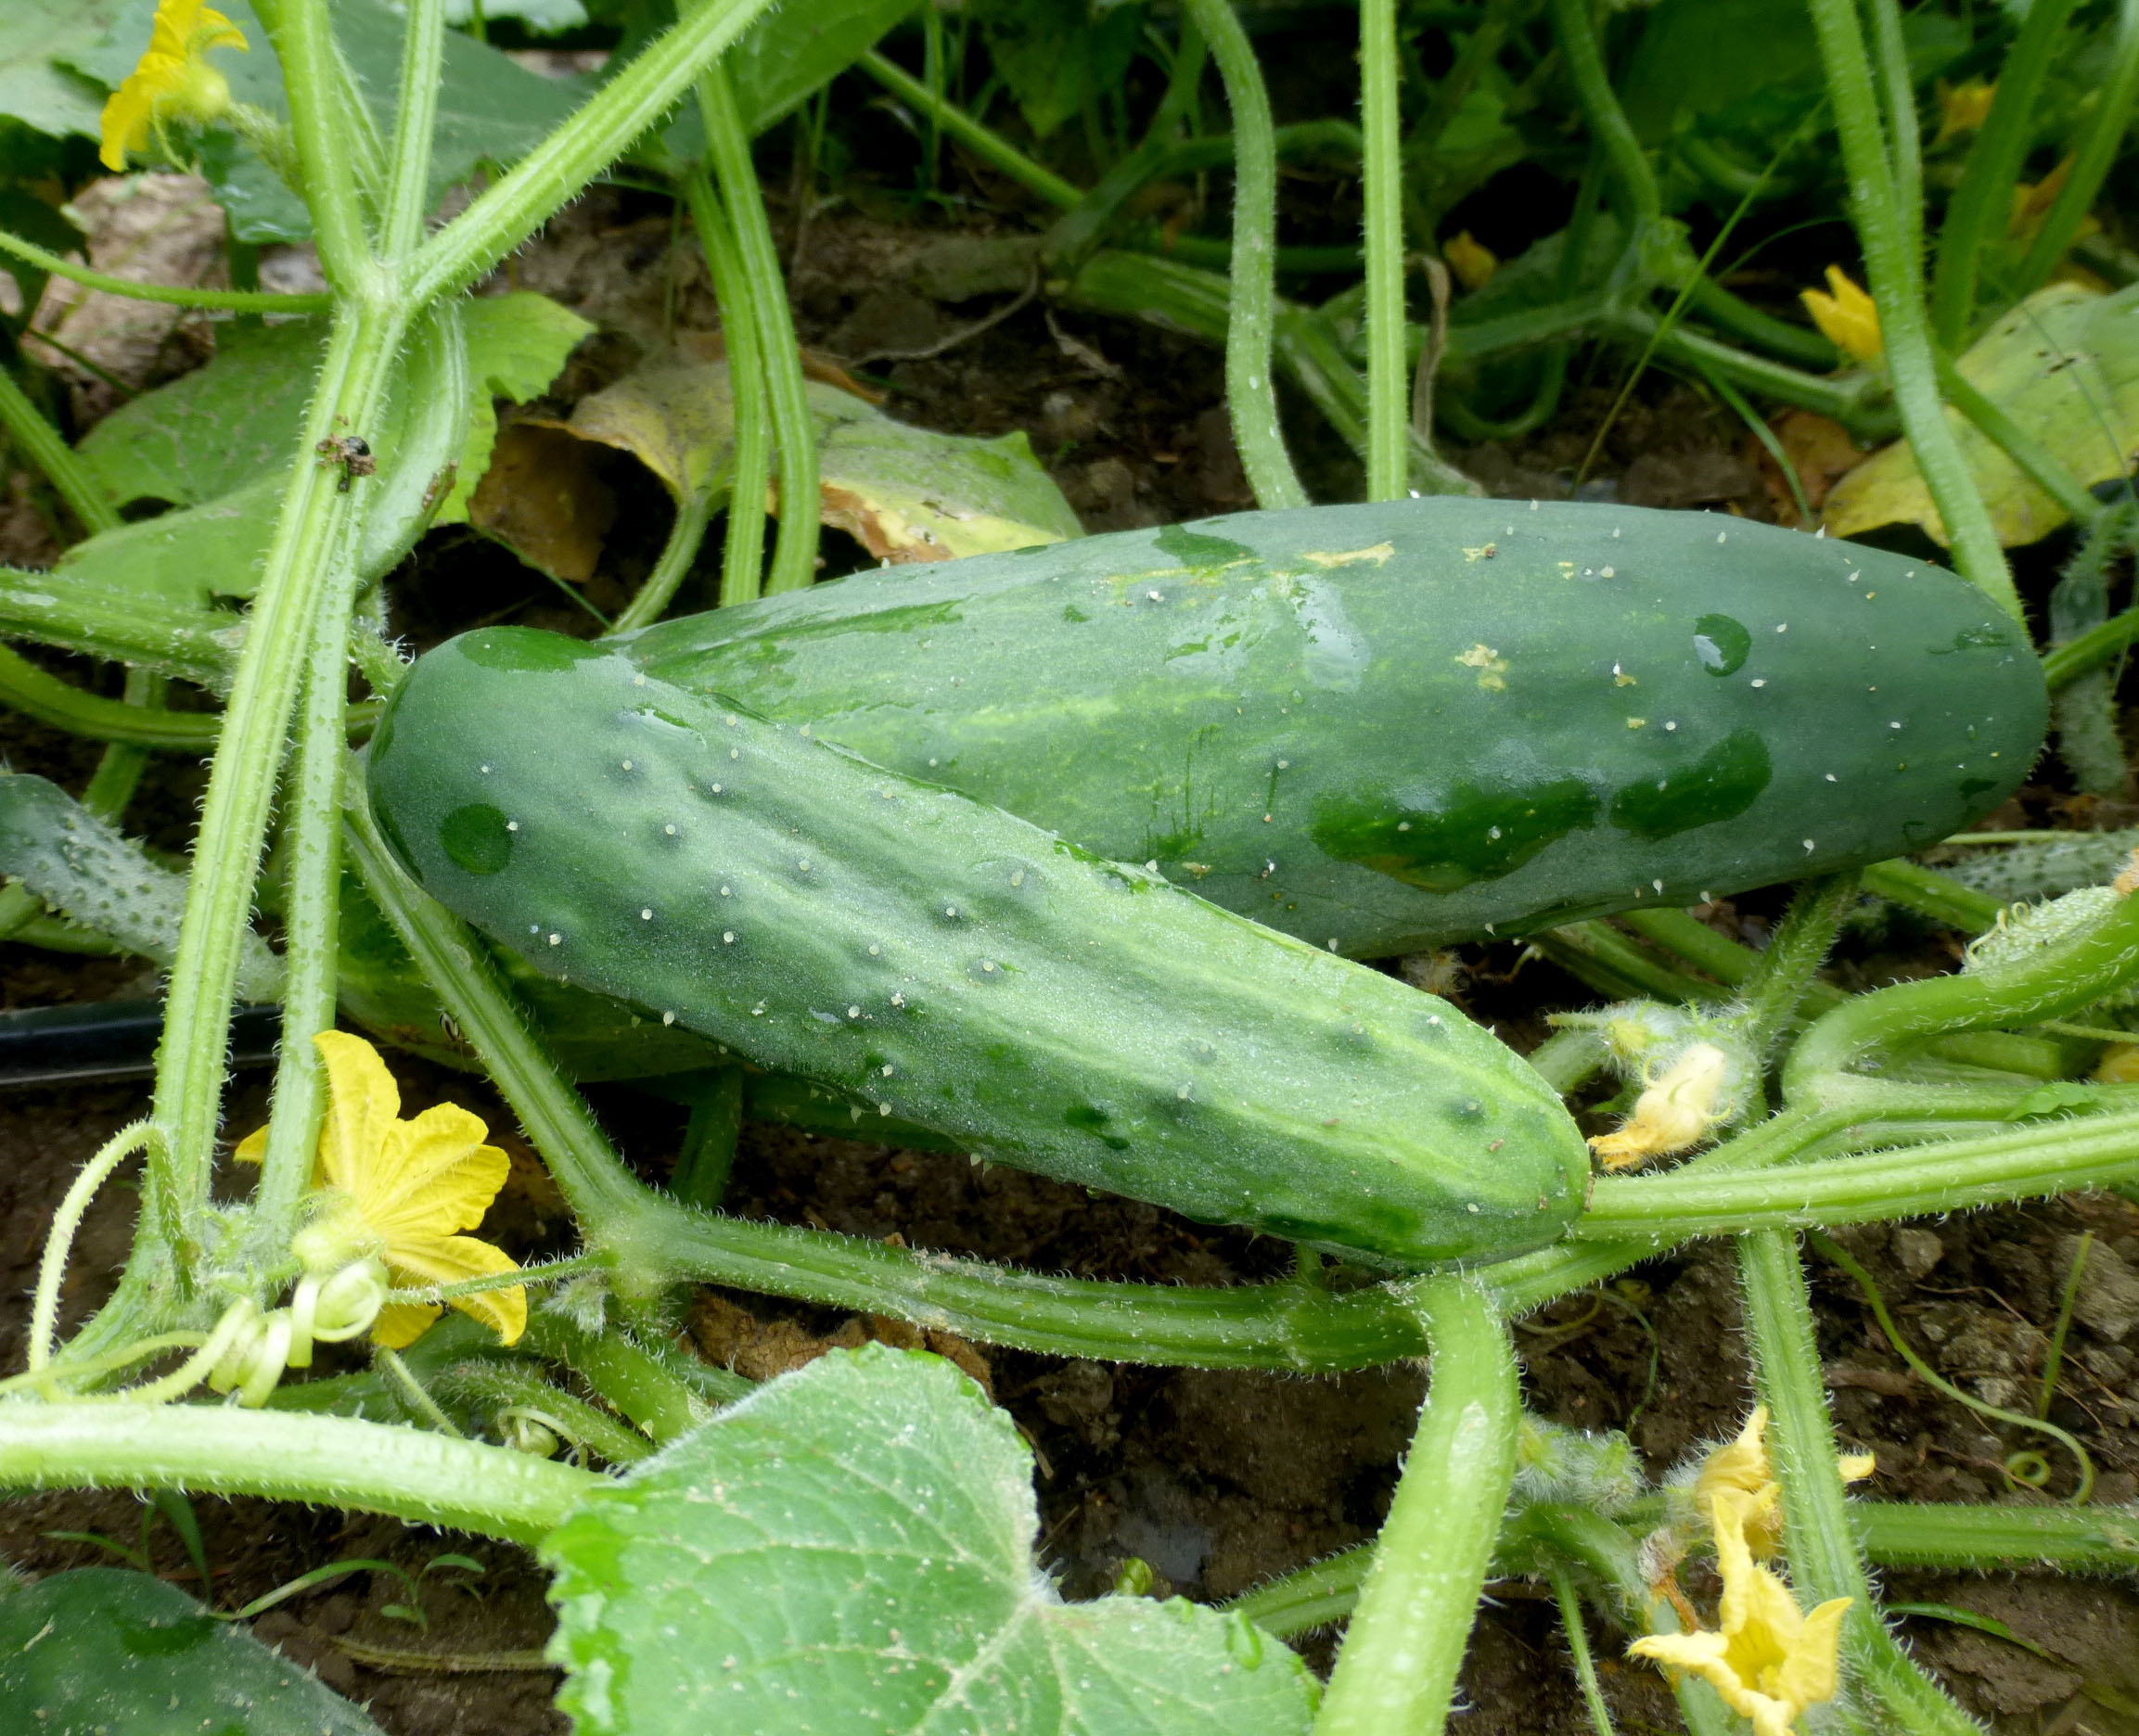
(1472, 261)
(1848, 316)
(1769, 1661)
(1962, 108)
(175, 81)
(1675, 1110)
(1737, 1474)
(397, 1191)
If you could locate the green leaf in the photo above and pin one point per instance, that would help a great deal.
(2065, 365)
(516, 345)
(124, 1654)
(211, 439)
(850, 1548)
(214, 429)
(783, 60)
(90, 872)
(35, 34)
(2058, 1097)
(490, 110)
(1056, 53)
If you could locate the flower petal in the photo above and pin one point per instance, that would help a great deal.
(252, 1148)
(362, 1101)
(450, 1259)
(433, 1175)
(1811, 1673)
(400, 1324)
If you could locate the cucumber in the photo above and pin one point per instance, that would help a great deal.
(1386, 727)
(952, 965)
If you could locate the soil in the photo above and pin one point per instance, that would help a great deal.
(1218, 1481)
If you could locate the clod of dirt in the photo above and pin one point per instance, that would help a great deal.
(2107, 1302)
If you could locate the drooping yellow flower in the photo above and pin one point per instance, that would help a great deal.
(1472, 261)
(398, 1191)
(1674, 1111)
(1769, 1661)
(1737, 1474)
(175, 81)
(1962, 108)
(1846, 316)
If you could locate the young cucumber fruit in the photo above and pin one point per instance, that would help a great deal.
(955, 965)
(1397, 725)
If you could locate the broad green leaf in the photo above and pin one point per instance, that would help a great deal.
(1056, 54)
(91, 873)
(2065, 365)
(850, 1548)
(207, 432)
(233, 421)
(187, 556)
(34, 36)
(516, 345)
(122, 1653)
(491, 109)
(784, 58)
(906, 493)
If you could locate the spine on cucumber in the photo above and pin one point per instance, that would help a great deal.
(955, 965)
(1394, 725)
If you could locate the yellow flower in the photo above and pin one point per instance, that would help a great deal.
(1848, 316)
(398, 1190)
(1472, 261)
(1962, 108)
(174, 81)
(1769, 1661)
(1738, 1476)
(1676, 1110)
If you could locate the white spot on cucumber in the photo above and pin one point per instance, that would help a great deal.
(645, 916)
(512, 825)
(727, 936)
(668, 831)
(668, 1018)
(556, 940)
(874, 950)
(723, 891)
(897, 1000)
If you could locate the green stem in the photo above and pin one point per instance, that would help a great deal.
(39, 442)
(490, 1384)
(313, 71)
(665, 1391)
(2114, 98)
(2039, 1161)
(38, 694)
(2064, 664)
(170, 295)
(1397, 1670)
(601, 130)
(1980, 207)
(214, 1449)
(1387, 393)
(1896, 282)
(2035, 460)
(1778, 985)
(1824, 1558)
(2046, 984)
(1608, 121)
(1571, 1624)
(60, 1237)
(1933, 894)
(311, 918)
(302, 572)
(197, 644)
(743, 557)
(1891, 51)
(794, 566)
(991, 148)
(1250, 392)
(1612, 964)
(415, 113)
(686, 534)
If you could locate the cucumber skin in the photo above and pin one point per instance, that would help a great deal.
(1276, 707)
(1075, 1016)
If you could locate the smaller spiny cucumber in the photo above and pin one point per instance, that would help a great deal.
(953, 964)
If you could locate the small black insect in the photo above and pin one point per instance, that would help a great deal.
(353, 454)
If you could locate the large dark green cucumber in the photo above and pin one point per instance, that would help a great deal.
(1385, 726)
(953, 964)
